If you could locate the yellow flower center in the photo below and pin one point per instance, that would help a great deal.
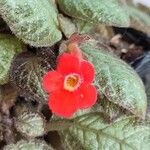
(72, 82)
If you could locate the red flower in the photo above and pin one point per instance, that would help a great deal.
(70, 85)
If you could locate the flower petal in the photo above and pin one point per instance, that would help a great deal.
(88, 96)
(52, 81)
(68, 63)
(63, 103)
(87, 71)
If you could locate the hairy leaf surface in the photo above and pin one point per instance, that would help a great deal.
(29, 145)
(30, 124)
(97, 11)
(9, 47)
(116, 80)
(27, 73)
(91, 132)
(35, 22)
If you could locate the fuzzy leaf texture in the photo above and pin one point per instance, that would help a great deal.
(83, 27)
(91, 132)
(116, 80)
(97, 11)
(9, 47)
(30, 124)
(67, 26)
(27, 74)
(29, 145)
(139, 19)
(35, 22)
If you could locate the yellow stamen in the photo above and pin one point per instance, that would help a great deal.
(72, 82)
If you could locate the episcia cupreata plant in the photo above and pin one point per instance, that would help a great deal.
(55, 76)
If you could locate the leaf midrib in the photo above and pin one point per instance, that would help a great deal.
(97, 133)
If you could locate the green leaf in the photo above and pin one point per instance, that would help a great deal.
(109, 109)
(9, 47)
(100, 32)
(29, 145)
(116, 80)
(97, 11)
(139, 19)
(83, 27)
(35, 22)
(27, 73)
(92, 132)
(31, 124)
(67, 26)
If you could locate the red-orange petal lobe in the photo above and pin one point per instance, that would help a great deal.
(68, 63)
(87, 71)
(63, 103)
(52, 81)
(87, 96)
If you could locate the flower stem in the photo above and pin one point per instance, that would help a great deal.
(58, 125)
